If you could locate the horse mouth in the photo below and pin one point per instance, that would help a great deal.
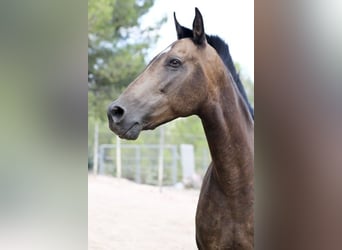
(132, 133)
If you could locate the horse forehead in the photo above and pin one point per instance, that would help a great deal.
(186, 47)
(183, 46)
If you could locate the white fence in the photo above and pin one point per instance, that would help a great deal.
(140, 162)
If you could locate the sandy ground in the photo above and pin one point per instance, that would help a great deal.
(123, 215)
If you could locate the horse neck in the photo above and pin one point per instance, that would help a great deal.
(229, 130)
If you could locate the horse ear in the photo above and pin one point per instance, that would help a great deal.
(179, 29)
(198, 28)
(182, 32)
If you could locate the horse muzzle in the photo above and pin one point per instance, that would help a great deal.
(121, 125)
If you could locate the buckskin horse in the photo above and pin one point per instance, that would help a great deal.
(195, 76)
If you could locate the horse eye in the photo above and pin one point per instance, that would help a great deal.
(174, 63)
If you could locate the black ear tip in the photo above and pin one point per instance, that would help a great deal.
(198, 28)
(175, 19)
(197, 13)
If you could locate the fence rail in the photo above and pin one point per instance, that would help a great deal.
(140, 162)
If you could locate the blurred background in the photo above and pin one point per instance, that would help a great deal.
(43, 125)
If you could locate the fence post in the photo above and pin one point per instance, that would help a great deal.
(101, 160)
(118, 157)
(137, 164)
(161, 159)
(174, 164)
(96, 149)
(188, 162)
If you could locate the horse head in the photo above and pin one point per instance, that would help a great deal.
(174, 84)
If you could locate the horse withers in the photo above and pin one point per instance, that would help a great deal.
(192, 77)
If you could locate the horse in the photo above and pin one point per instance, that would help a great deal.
(196, 76)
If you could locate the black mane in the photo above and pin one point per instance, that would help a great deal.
(222, 49)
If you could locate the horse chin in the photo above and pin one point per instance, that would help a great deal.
(132, 133)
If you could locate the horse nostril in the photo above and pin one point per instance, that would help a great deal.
(117, 113)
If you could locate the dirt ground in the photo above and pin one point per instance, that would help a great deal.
(124, 215)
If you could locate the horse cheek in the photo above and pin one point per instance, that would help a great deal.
(188, 98)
